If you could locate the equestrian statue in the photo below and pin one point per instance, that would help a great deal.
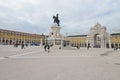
(56, 20)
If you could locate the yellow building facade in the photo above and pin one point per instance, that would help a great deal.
(115, 40)
(81, 40)
(77, 40)
(9, 37)
(97, 37)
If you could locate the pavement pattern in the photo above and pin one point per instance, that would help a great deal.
(33, 63)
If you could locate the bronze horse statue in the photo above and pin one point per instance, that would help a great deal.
(56, 20)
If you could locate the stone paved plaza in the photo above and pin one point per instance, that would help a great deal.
(33, 63)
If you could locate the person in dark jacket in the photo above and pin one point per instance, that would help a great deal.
(48, 47)
(45, 47)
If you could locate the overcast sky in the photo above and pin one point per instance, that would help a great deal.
(76, 16)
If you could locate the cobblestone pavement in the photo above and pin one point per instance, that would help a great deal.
(33, 63)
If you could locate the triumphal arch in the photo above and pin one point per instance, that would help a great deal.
(98, 37)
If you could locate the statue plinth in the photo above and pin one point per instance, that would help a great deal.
(55, 38)
(55, 31)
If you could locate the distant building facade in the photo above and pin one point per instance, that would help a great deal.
(9, 37)
(98, 37)
(77, 40)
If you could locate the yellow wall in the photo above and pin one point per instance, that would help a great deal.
(114, 39)
(20, 36)
(76, 41)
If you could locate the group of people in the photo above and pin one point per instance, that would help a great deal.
(78, 47)
(22, 45)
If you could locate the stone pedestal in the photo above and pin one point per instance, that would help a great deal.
(55, 37)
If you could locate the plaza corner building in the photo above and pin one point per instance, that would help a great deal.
(97, 37)
(9, 37)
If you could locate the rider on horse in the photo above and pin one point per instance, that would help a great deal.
(56, 20)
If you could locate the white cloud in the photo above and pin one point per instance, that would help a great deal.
(76, 16)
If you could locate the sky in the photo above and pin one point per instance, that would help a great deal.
(76, 16)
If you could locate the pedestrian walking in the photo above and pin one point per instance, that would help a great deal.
(115, 48)
(60, 47)
(45, 47)
(88, 46)
(48, 47)
(78, 47)
(22, 46)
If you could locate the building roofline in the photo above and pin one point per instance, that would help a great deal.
(77, 36)
(20, 32)
(115, 34)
